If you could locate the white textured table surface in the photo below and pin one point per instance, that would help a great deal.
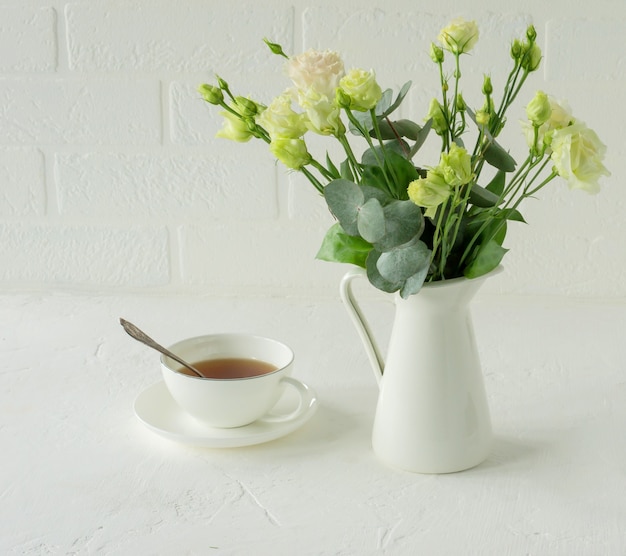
(81, 475)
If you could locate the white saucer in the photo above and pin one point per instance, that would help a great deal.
(156, 409)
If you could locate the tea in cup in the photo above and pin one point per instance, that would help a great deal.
(243, 378)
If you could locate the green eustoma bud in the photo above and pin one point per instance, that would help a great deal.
(531, 58)
(221, 83)
(211, 94)
(436, 53)
(516, 49)
(487, 86)
(460, 103)
(275, 48)
(531, 33)
(247, 108)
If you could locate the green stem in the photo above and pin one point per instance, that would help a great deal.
(390, 185)
(512, 191)
(457, 78)
(322, 170)
(354, 164)
(312, 179)
(444, 94)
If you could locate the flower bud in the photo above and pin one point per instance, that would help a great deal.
(435, 112)
(275, 48)
(487, 86)
(516, 49)
(539, 109)
(436, 53)
(460, 103)
(482, 117)
(531, 33)
(291, 152)
(211, 94)
(221, 83)
(531, 57)
(246, 107)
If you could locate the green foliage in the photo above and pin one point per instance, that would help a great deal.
(339, 247)
(402, 223)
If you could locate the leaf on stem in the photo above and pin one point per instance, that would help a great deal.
(497, 157)
(344, 199)
(496, 185)
(403, 222)
(481, 197)
(405, 266)
(421, 138)
(399, 128)
(371, 220)
(488, 256)
(339, 247)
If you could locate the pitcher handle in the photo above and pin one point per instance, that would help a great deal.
(360, 322)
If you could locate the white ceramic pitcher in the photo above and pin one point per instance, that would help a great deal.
(432, 414)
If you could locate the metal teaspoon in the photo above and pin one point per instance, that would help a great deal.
(142, 337)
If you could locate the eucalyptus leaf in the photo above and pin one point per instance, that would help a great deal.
(403, 222)
(413, 284)
(344, 199)
(374, 276)
(339, 247)
(403, 92)
(403, 262)
(371, 220)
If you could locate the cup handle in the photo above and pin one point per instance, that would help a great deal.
(305, 396)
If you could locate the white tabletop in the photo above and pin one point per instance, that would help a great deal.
(82, 475)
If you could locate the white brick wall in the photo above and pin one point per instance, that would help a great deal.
(111, 177)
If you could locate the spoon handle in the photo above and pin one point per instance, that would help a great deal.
(142, 337)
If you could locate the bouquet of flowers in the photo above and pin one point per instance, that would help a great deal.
(403, 222)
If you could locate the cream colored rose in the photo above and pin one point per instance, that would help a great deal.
(323, 114)
(539, 109)
(578, 156)
(361, 88)
(560, 117)
(459, 36)
(456, 166)
(280, 120)
(235, 128)
(320, 71)
(429, 192)
(291, 152)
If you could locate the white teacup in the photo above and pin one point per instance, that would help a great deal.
(231, 402)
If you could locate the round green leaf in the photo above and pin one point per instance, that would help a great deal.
(371, 220)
